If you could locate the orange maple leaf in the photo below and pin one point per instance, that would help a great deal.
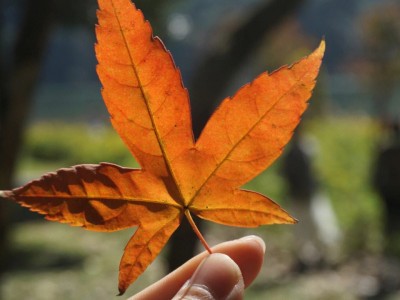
(150, 110)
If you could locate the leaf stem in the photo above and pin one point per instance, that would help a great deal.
(197, 231)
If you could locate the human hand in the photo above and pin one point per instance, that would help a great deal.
(222, 275)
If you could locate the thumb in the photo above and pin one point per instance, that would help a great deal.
(218, 277)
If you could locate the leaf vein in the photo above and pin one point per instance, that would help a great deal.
(146, 100)
(298, 83)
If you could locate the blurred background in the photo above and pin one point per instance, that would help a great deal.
(340, 175)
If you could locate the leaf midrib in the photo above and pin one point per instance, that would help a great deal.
(153, 123)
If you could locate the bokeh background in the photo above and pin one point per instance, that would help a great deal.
(340, 175)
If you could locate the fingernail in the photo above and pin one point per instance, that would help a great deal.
(256, 240)
(217, 277)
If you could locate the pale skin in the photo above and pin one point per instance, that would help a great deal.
(222, 275)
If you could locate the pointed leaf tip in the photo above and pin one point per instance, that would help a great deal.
(321, 47)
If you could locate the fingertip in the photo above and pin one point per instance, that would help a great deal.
(259, 242)
(217, 277)
(248, 253)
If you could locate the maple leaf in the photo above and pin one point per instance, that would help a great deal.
(150, 110)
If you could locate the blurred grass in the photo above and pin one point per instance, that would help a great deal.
(54, 145)
(343, 161)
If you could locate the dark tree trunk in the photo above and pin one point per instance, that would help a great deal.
(17, 81)
(217, 70)
(212, 79)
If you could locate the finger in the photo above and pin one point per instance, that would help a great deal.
(218, 277)
(247, 253)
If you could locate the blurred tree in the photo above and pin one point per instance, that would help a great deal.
(381, 37)
(221, 65)
(301, 188)
(17, 85)
(212, 78)
(386, 181)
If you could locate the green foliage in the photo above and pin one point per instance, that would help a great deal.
(344, 164)
(71, 144)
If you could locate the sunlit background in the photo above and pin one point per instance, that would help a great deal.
(340, 175)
